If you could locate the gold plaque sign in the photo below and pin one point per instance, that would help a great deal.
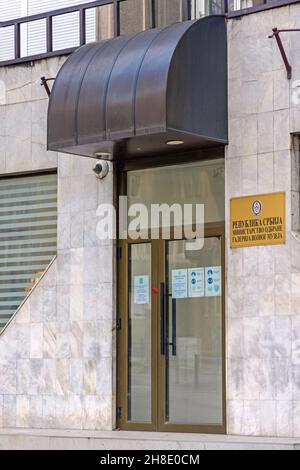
(257, 220)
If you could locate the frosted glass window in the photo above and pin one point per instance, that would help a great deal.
(28, 237)
(196, 183)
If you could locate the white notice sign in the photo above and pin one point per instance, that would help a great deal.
(179, 283)
(141, 290)
(213, 281)
(196, 282)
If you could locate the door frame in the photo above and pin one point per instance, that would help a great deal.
(158, 276)
(122, 340)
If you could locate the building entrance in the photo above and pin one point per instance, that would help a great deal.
(171, 298)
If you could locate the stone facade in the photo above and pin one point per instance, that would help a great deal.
(263, 283)
(58, 355)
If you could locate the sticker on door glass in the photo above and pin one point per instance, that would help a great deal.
(179, 283)
(213, 281)
(141, 290)
(196, 281)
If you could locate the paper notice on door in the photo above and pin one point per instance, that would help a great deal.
(213, 281)
(196, 282)
(179, 283)
(141, 290)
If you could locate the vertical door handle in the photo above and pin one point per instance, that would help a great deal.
(162, 320)
(174, 328)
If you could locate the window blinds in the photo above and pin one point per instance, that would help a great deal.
(8, 11)
(28, 237)
(65, 27)
(33, 35)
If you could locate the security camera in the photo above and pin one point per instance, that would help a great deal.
(101, 170)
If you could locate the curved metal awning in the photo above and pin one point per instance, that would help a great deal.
(129, 96)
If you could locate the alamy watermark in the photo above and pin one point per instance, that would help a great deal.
(159, 221)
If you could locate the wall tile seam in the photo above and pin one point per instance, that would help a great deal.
(29, 101)
(23, 102)
(277, 403)
(12, 320)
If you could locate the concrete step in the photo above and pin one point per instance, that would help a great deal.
(35, 439)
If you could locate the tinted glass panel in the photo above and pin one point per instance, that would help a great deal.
(200, 8)
(194, 357)
(196, 183)
(139, 335)
(168, 12)
(134, 16)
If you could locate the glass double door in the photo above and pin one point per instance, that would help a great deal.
(171, 336)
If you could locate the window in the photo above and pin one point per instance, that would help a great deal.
(28, 237)
(33, 35)
(202, 182)
(234, 5)
(200, 8)
(65, 27)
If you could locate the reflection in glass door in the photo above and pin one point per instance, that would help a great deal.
(194, 369)
(172, 359)
(139, 333)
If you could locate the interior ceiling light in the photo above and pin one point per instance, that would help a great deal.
(175, 142)
(103, 154)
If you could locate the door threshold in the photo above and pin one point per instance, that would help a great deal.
(28, 439)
